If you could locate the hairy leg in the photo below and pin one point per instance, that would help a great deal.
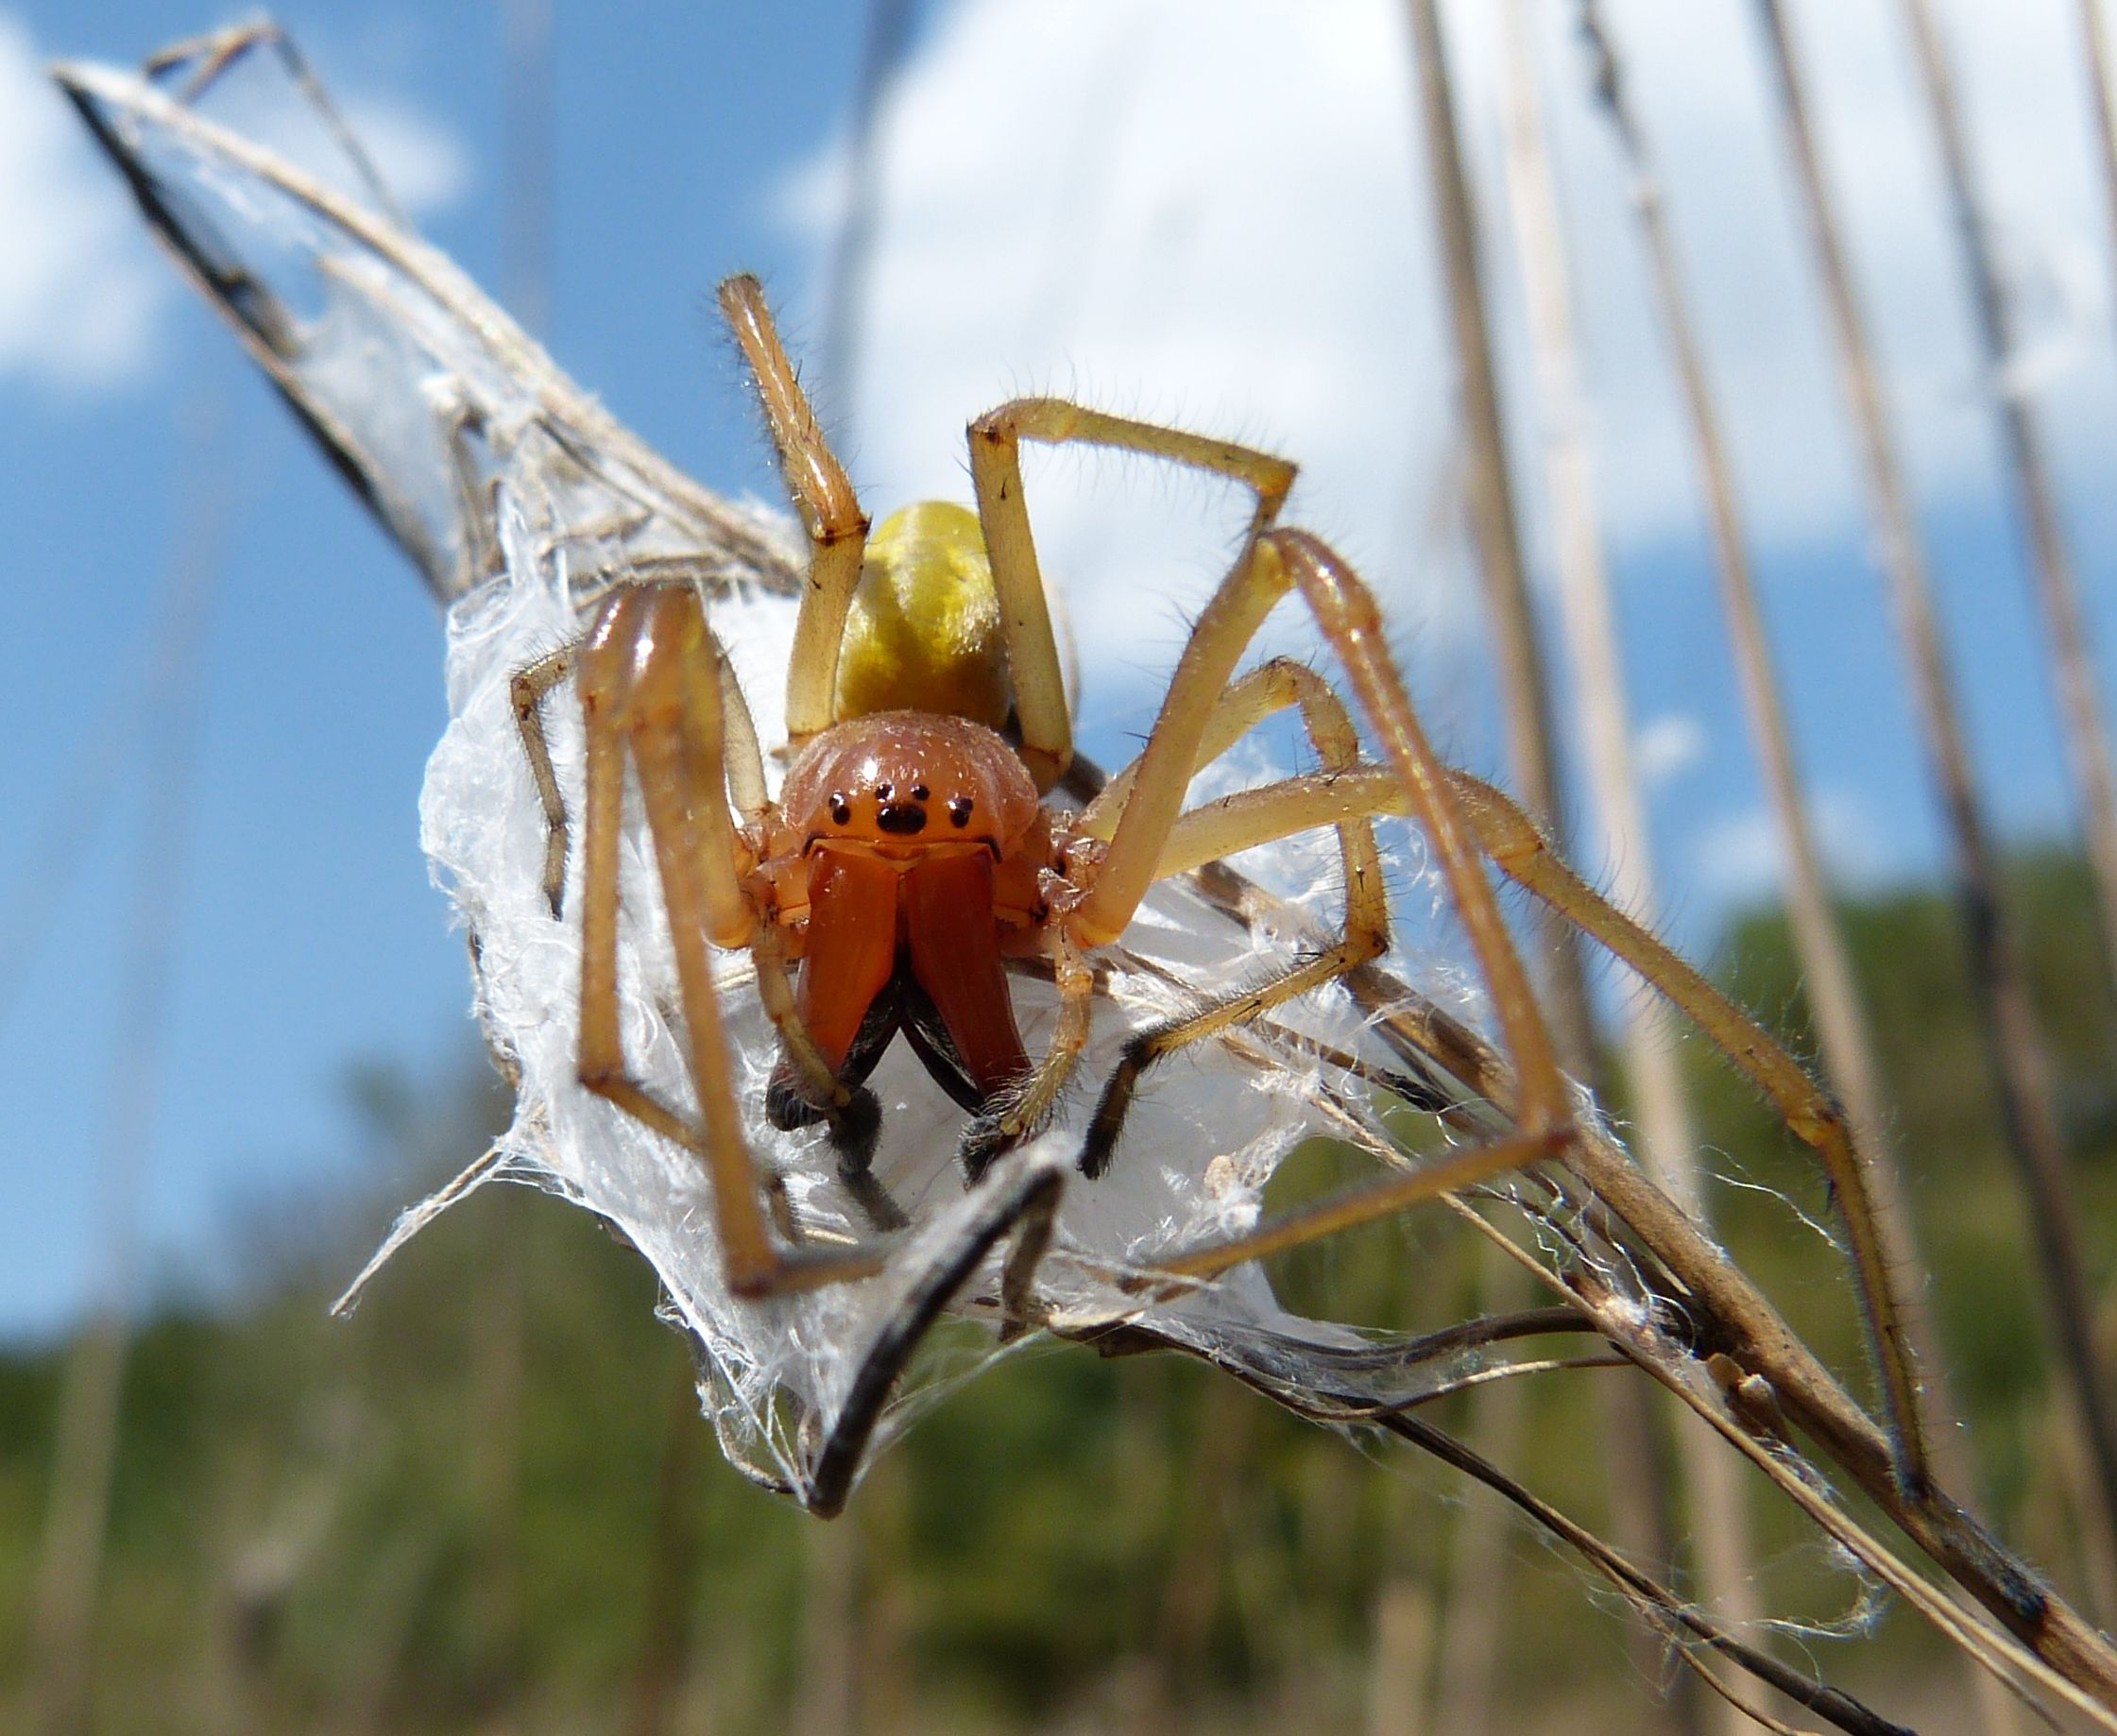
(1290, 561)
(996, 1130)
(526, 693)
(996, 469)
(650, 690)
(1507, 836)
(1269, 688)
(824, 497)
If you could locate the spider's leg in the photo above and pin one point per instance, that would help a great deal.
(1346, 614)
(1511, 838)
(839, 1098)
(1267, 688)
(526, 691)
(745, 760)
(995, 469)
(601, 1053)
(1001, 1126)
(650, 680)
(829, 509)
(1276, 563)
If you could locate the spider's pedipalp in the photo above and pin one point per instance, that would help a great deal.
(526, 691)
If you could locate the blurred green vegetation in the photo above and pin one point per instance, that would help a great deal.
(487, 1502)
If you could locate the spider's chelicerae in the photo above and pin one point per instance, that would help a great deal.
(910, 853)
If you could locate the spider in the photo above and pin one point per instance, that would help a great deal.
(911, 854)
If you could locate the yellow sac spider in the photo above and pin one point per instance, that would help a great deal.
(910, 853)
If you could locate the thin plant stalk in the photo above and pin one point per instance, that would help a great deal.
(1467, 1683)
(1525, 689)
(499, 1367)
(2057, 588)
(829, 1698)
(1399, 1660)
(70, 1570)
(1848, 1053)
(526, 149)
(852, 247)
(1525, 685)
(2021, 1057)
(1586, 610)
(2102, 90)
(2101, 73)
(660, 1666)
(1669, 1134)
(1819, 942)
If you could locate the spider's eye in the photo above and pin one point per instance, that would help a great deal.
(841, 810)
(920, 792)
(883, 792)
(958, 810)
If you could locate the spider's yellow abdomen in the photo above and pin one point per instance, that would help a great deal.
(924, 630)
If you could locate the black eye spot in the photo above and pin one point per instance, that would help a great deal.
(841, 810)
(920, 792)
(958, 810)
(884, 793)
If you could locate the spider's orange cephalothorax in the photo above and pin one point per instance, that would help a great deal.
(912, 849)
(902, 783)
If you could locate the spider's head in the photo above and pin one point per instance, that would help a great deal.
(924, 631)
(904, 783)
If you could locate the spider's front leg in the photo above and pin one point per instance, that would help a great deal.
(652, 690)
(853, 1115)
(1040, 704)
(821, 492)
(1271, 564)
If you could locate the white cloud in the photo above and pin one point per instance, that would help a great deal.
(79, 280)
(1182, 212)
(422, 163)
(81, 283)
(1736, 858)
(1215, 212)
(1700, 77)
(1666, 747)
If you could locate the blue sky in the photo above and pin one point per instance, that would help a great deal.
(1191, 212)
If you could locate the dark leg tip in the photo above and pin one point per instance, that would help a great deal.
(1094, 1161)
(1140, 1052)
(785, 1106)
(882, 1212)
(982, 1140)
(856, 1129)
